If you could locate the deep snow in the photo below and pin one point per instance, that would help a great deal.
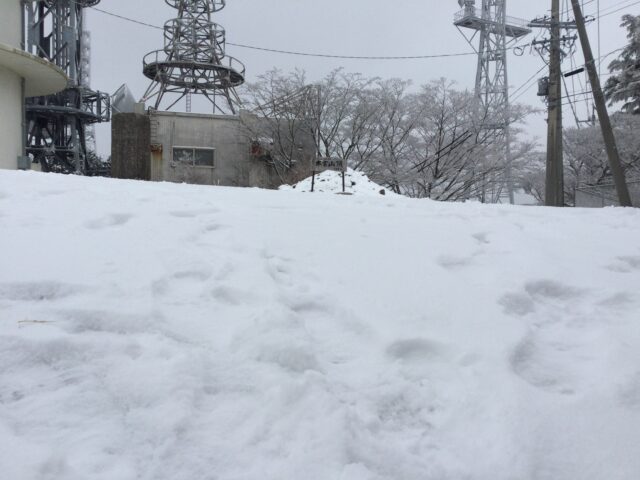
(169, 332)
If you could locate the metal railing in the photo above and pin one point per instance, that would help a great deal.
(474, 13)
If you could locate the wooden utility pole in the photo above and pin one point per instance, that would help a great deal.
(605, 122)
(554, 195)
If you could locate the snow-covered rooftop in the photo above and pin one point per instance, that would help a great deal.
(165, 332)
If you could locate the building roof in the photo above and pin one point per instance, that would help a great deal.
(41, 77)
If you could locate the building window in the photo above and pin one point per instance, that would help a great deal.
(197, 157)
(203, 158)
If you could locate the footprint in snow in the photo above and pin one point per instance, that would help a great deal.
(558, 360)
(279, 271)
(186, 281)
(109, 322)
(629, 393)
(619, 301)
(551, 290)
(37, 291)
(517, 304)
(482, 238)
(232, 296)
(193, 213)
(290, 358)
(114, 220)
(627, 264)
(309, 305)
(451, 263)
(212, 227)
(536, 293)
(539, 365)
(416, 350)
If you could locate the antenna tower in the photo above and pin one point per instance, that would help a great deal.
(85, 79)
(193, 60)
(58, 124)
(496, 31)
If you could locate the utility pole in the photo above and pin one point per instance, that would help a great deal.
(554, 194)
(605, 122)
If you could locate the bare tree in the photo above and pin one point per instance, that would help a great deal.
(345, 110)
(279, 123)
(395, 124)
(586, 158)
(425, 144)
(430, 147)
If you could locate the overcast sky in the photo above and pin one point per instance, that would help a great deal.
(341, 27)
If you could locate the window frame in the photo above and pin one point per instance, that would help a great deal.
(193, 156)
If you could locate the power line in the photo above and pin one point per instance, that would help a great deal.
(128, 19)
(352, 57)
(359, 57)
(308, 54)
(568, 9)
(525, 85)
(619, 9)
(588, 2)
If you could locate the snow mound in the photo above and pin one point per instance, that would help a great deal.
(356, 183)
(169, 332)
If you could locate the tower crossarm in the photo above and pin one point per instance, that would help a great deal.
(493, 29)
(472, 18)
(194, 60)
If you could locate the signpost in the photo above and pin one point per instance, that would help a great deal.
(324, 164)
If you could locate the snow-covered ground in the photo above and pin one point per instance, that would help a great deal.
(355, 183)
(170, 332)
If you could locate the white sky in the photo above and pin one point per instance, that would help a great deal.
(342, 27)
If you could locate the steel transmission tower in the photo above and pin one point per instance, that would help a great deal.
(194, 60)
(496, 31)
(58, 124)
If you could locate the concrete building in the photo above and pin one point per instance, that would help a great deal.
(21, 75)
(227, 150)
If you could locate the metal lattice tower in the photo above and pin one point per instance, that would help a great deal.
(496, 31)
(194, 60)
(58, 124)
(85, 78)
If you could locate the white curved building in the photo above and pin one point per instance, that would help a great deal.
(21, 75)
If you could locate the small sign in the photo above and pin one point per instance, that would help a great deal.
(328, 164)
(334, 164)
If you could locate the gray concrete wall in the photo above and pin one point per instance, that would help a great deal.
(223, 134)
(10, 119)
(148, 150)
(130, 146)
(227, 135)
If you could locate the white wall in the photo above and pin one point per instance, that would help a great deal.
(10, 119)
(10, 23)
(10, 88)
